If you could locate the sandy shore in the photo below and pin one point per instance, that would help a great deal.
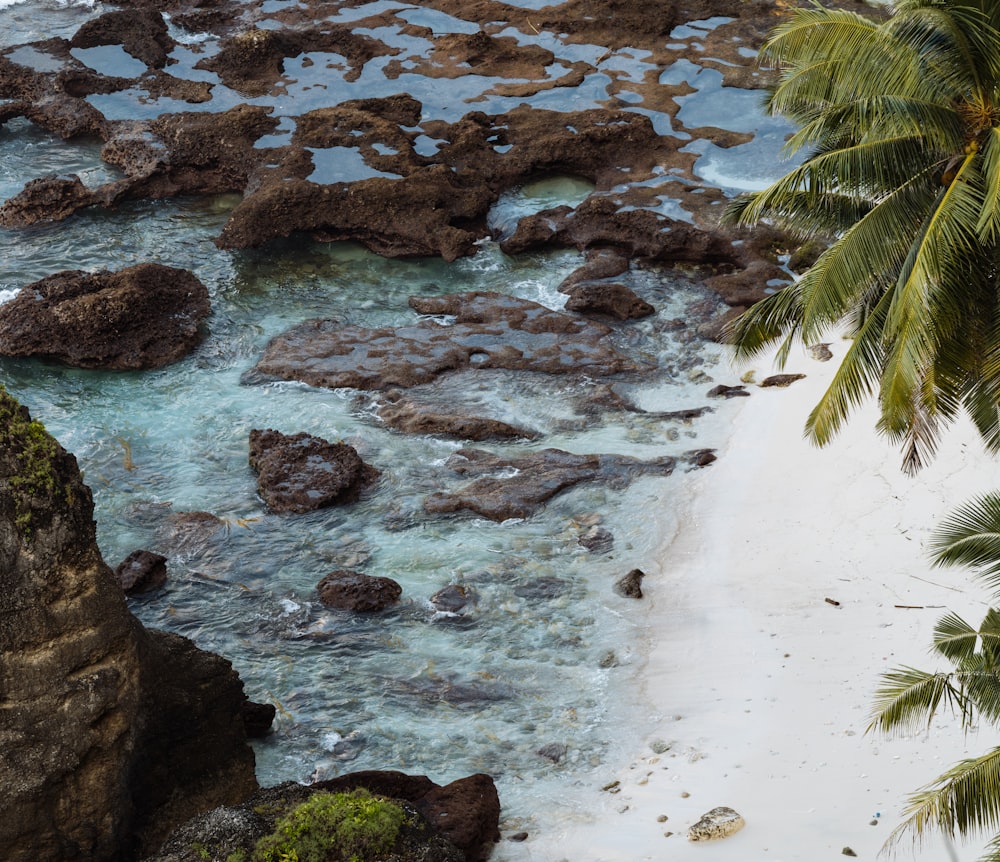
(761, 687)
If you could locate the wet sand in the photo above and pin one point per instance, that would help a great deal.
(799, 576)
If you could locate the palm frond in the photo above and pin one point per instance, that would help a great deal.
(965, 800)
(908, 699)
(970, 537)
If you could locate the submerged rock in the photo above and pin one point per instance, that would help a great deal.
(407, 415)
(356, 591)
(145, 316)
(300, 473)
(112, 734)
(534, 479)
(490, 330)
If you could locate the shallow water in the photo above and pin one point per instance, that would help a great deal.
(546, 649)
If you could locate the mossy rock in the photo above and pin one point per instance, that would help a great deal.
(29, 460)
(295, 823)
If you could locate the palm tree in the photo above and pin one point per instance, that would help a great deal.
(900, 123)
(966, 798)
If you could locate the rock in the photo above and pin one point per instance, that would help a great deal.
(141, 572)
(554, 751)
(630, 585)
(258, 718)
(722, 391)
(718, 823)
(781, 380)
(517, 837)
(821, 352)
(847, 851)
(145, 316)
(112, 734)
(542, 588)
(355, 591)
(607, 299)
(536, 479)
(490, 330)
(412, 418)
(301, 473)
(597, 540)
(452, 598)
(141, 32)
(233, 832)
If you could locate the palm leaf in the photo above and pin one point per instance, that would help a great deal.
(964, 800)
(908, 699)
(970, 537)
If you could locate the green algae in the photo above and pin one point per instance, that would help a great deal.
(334, 827)
(34, 453)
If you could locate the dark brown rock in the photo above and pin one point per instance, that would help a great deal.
(630, 585)
(723, 391)
(537, 478)
(781, 380)
(597, 540)
(300, 473)
(142, 32)
(466, 812)
(52, 198)
(141, 571)
(145, 316)
(408, 416)
(607, 299)
(452, 598)
(355, 591)
(490, 331)
(258, 718)
(111, 734)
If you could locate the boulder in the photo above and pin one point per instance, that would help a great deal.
(457, 822)
(112, 734)
(301, 473)
(411, 417)
(356, 591)
(145, 316)
(141, 572)
(718, 823)
(630, 586)
(607, 299)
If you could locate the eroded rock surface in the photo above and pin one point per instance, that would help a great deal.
(490, 330)
(527, 482)
(144, 316)
(300, 473)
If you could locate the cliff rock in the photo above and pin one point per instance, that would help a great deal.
(111, 734)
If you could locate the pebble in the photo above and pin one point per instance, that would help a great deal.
(662, 818)
(847, 851)
(518, 836)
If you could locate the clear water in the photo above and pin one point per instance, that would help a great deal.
(412, 688)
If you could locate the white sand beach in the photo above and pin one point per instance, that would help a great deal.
(761, 686)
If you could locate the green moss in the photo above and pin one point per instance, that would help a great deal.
(237, 856)
(35, 452)
(333, 827)
(201, 850)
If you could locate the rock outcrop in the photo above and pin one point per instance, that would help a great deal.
(111, 734)
(463, 817)
(145, 316)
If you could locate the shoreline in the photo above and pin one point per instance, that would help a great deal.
(754, 687)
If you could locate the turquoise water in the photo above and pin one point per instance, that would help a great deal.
(545, 651)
